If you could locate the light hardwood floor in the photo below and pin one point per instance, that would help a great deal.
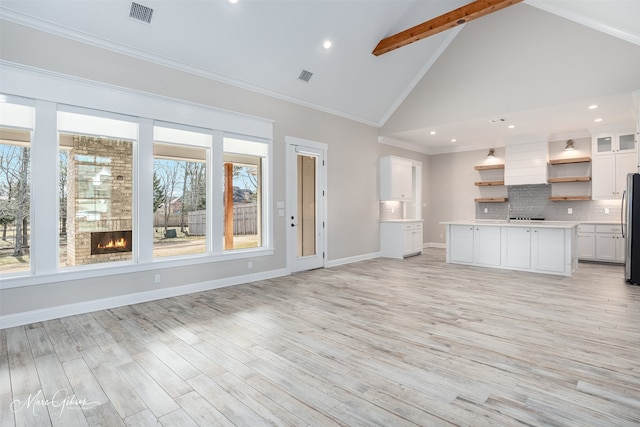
(381, 342)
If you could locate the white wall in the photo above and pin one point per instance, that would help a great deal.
(353, 231)
(517, 59)
(452, 190)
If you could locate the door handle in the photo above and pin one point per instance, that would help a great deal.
(622, 212)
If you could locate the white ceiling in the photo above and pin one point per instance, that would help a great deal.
(263, 45)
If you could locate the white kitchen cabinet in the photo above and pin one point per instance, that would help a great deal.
(612, 142)
(396, 178)
(587, 242)
(460, 240)
(400, 239)
(609, 243)
(610, 174)
(478, 244)
(486, 247)
(516, 247)
(412, 239)
(548, 249)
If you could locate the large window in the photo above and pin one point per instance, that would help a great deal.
(95, 180)
(179, 192)
(243, 193)
(95, 189)
(15, 187)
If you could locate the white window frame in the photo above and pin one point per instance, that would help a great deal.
(208, 145)
(47, 91)
(20, 123)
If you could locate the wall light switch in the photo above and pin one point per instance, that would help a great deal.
(486, 210)
(280, 204)
(606, 211)
(280, 212)
(570, 211)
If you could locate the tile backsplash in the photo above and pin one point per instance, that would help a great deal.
(391, 210)
(533, 201)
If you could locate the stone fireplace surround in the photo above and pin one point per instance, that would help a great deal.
(100, 196)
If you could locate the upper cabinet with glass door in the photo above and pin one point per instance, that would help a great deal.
(614, 142)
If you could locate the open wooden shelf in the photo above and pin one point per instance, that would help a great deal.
(567, 161)
(488, 183)
(563, 198)
(491, 199)
(488, 167)
(571, 179)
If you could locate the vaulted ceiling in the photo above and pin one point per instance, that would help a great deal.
(534, 64)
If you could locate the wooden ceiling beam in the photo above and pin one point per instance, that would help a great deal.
(441, 23)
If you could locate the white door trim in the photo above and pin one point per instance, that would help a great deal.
(295, 145)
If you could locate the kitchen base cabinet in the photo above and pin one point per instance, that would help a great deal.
(474, 244)
(486, 246)
(587, 242)
(520, 238)
(550, 248)
(461, 238)
(601, 242)
(400, 239)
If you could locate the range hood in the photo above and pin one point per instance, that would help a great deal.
(525, 160)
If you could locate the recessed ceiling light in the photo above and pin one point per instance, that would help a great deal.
(327, 44)
(454, 140)
(233, 1)
(433, 132)
(593, 107)
(511, 126)
(598, 120)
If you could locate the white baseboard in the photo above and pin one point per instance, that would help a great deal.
(27, 317)
(435, 245)
(349, 260)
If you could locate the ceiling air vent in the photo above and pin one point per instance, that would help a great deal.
(305, 75)
(141, 13)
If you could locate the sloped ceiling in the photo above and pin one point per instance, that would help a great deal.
(536, 71)
(539, 60)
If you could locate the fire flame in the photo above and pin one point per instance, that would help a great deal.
(120, 243)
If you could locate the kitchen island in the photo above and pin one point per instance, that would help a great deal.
(538, 246)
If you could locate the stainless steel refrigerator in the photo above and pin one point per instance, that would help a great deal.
(631, 228)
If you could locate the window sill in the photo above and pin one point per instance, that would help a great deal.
(126, 267)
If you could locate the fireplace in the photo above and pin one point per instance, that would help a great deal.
(109, 242)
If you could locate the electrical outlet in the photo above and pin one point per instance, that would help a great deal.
(156, 278)
(486, 210)
(570, 211)
(606, 211)
(250, 265)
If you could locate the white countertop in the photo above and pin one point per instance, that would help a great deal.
(601, 222)
(515, 223)
(402, 220)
